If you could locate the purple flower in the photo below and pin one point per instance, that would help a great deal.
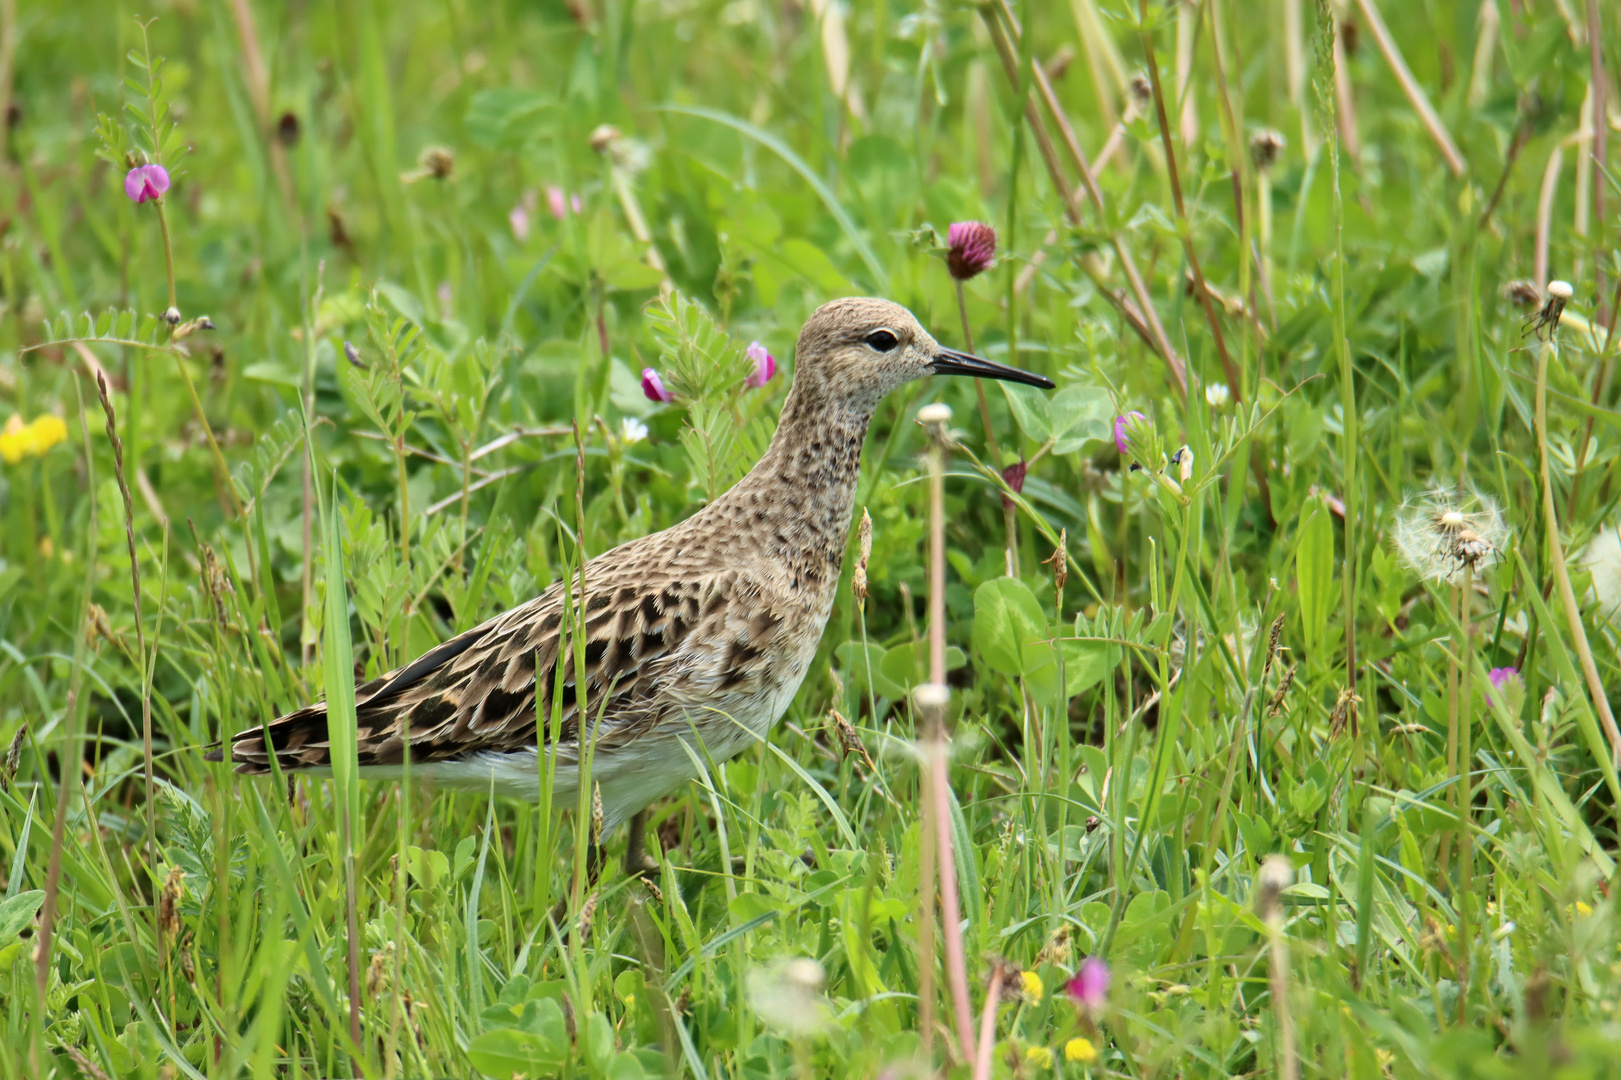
(1501, 677)
(1090, 987)
(1122, 425)
(653, 387)
(146, 182)
(972, 245)
(765, 365)
(518, 218)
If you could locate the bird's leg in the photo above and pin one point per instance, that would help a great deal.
(637, 861)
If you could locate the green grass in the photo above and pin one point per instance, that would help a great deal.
(1124, 756)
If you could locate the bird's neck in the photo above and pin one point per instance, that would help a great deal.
(797, 498)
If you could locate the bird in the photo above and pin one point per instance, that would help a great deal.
(701, 633)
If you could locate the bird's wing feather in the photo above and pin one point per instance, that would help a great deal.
(651, 643)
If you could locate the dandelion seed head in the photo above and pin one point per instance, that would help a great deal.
(1444, 532)
(787, 995)
(1602, 560)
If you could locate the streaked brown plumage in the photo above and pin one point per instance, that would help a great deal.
(707, 627)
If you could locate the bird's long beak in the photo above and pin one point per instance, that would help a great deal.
(952, 362)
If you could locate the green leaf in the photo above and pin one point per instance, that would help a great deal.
(1314, 574)
(505, 1051)
(1031, 409)
(17, 912)
(908, 665)
(810, 176)
(1081, 415)
(507, 117)
(340, 683)
(1006, 617)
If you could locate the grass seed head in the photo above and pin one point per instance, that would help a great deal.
(14, 757)
(169, 902)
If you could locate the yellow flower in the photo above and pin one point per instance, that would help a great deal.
(16, 440)
(1039, 1056)
(1583, 909)
(1033, 989)
(1081, 1050)
(20, 440)
(48, 430)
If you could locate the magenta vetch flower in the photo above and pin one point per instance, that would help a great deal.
(653, 387)
(1499, 677)
(1122, 424)
(146, 182)
(765, 365)
(1090, 986)
(972, 246)
(560, 202)
(1014, 475)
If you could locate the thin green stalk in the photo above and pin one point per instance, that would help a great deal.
(69, 755)
(1556, 559)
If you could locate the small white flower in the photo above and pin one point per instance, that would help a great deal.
(1441, 532)
(632, 431)
(1216, 394)
(1602, 559)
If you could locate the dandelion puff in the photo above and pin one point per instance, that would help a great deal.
(1602, 560)
(787, 996)
(1442, 532)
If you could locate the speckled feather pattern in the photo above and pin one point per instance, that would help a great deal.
(706, 629)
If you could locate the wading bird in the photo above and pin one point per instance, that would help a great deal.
(706, 628)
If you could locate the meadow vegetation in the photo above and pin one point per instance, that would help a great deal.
(1278, 635)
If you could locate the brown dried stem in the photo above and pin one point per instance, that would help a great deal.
(1409, 85)
(1139, 315)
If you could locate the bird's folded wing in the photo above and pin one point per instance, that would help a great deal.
(649, 646)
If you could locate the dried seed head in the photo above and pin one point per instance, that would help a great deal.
(1142, 91)
(1265, 146)
(169, 902)
(1276, 703)
(377, 972)
(1442, 533)
(588, 911)
(1272, 647)
(437, 162)
(14, 757)
(1545, 322)
(849, 738)
(1523, 293)
(858, 579)
(1276, 874)
(1344, 714)
(1059, 560)
(596, 815)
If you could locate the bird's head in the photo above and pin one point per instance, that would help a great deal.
(858, 349)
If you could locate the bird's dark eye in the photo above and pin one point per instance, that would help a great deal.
(882, 340)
